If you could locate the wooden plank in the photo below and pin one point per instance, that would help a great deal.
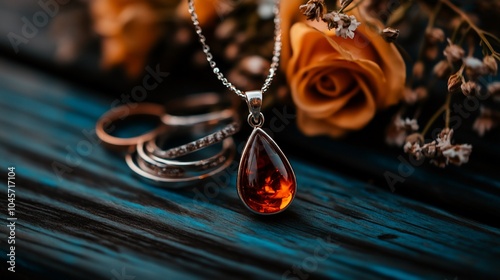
(99, 221)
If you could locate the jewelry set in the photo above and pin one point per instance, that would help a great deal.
(266, 183)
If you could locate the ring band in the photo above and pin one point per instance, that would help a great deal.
(191, 102)
(120, 113)
(158, 166)
(181, 182)
(159, 169)
(175, 169)
(213, 138)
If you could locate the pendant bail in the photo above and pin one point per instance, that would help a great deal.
(254, 101)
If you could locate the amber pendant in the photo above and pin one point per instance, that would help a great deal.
(266, 181)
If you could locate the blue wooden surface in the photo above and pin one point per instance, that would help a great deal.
(99, 221)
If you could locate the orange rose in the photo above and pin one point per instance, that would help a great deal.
(338, 84)
(129, 30)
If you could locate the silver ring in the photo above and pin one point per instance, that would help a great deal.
(150, 162)
(213, 138)
(178, 182)
(178, 169)
(190, 102)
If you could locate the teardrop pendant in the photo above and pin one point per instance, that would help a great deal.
(266, 181)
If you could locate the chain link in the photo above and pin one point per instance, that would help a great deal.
(206, 49)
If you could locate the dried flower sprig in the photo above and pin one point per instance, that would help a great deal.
(399, 129)
(314, 9)
(453, 52)
(467, 80)
(487, 120)
(483, 35)
(343, 24)
(440, 151)
(390, 34)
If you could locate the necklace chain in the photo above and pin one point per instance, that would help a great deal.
(210, 58)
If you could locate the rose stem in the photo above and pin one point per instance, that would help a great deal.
(464, 36)
(433, 17)
(444, 108)
(433, 119)
(457, 29)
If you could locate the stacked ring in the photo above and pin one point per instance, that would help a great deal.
(150, 162)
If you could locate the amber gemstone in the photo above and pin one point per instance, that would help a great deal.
(266, 182)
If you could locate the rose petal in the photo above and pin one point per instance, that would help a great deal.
(390, 61)
(113, 52)
(336, 84)
(365, 73)
(317, 104)
(356, 116)
(289, 15)
(316, 48)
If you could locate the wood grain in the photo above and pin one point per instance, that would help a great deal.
(98, 221)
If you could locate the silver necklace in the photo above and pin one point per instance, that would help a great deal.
(266, 182)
